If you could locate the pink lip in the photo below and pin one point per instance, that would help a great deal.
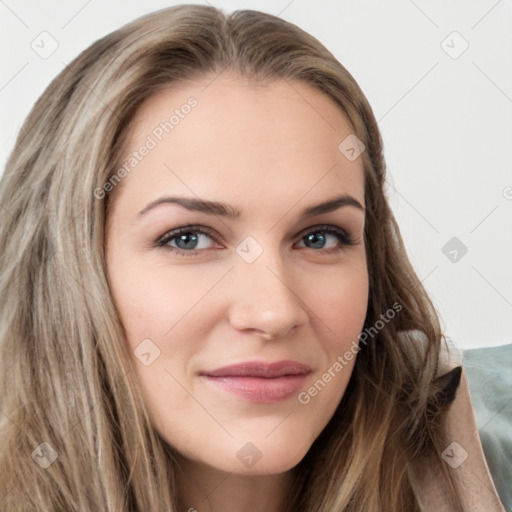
(258, 381)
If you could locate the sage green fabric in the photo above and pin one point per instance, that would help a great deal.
(489, 375)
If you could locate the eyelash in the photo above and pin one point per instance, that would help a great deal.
(342, 236)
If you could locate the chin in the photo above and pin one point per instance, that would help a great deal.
(262, 456)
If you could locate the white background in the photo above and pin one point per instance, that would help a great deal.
(446, 122)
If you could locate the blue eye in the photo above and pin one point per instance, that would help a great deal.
(186, 241)
(321, 234)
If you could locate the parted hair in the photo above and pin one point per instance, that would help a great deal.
(67, 383)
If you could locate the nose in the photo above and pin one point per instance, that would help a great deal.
(264, 300)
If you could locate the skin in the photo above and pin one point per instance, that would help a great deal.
(270, 151)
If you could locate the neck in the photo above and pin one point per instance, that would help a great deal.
(203, 488)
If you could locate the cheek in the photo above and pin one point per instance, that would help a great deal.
(139, 303)
(342, 308)
(342, 305)
(153, 301)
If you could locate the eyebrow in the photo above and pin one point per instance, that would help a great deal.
(227, 211)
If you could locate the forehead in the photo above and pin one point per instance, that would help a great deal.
(228, 138)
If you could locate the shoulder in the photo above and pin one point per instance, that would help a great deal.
(449, 372)
(450, 356)
(449, 364)
(463, 452)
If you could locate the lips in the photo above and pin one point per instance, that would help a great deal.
(260, 381)
(259, 369)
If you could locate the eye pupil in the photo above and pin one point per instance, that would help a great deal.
(315, 238)
(183, 238)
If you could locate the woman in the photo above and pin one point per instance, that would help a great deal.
(213, 308)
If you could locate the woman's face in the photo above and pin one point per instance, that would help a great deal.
(262, 273)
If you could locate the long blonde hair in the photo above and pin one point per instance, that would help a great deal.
(67, 387)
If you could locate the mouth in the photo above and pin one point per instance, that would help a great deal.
(259, 381)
